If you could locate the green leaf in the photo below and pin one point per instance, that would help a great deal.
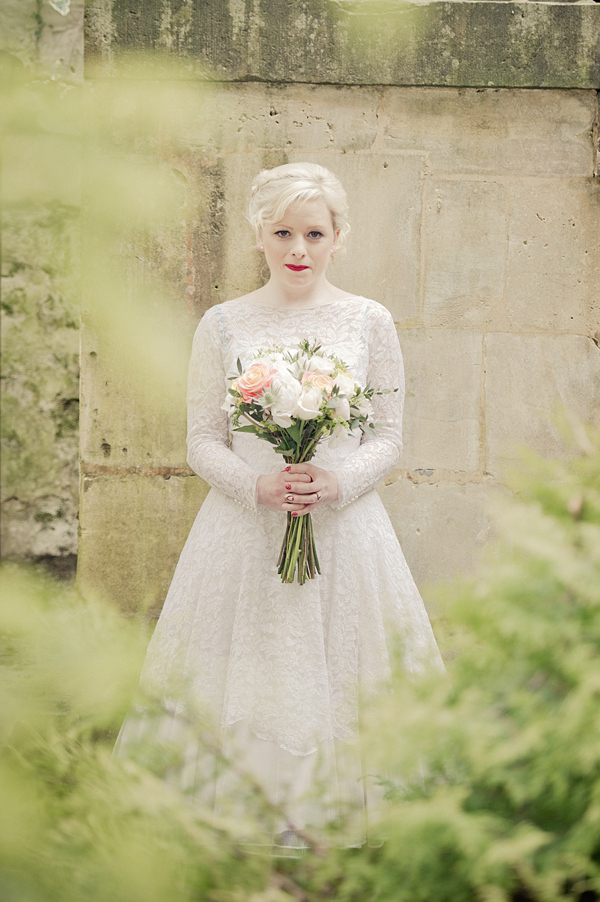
(267, 437)
(239, 366)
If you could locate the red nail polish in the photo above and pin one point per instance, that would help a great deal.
(288, 486)
(294, 513)
(287, 469)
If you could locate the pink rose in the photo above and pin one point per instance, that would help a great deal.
(254, 381)
(319, 380)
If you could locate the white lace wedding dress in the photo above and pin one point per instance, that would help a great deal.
(283, 667)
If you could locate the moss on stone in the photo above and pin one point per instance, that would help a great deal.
(40, 396)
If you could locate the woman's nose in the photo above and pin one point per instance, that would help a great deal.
(298, 249)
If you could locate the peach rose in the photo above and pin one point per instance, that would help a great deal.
(254, 381)
(319, 380)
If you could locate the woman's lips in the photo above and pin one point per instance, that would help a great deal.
(295, 268)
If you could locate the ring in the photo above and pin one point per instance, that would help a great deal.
(289, 497)
(318, 496)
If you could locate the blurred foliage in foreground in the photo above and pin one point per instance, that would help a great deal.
(96, 197)
(494, 772)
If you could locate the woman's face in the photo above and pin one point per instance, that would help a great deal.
(298, 248)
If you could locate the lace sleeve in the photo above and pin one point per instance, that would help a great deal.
(208, 438)
(380, 448)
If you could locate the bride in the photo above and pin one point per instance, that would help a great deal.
(283, 668)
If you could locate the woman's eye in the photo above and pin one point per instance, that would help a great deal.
(283, 233)
(315, 234)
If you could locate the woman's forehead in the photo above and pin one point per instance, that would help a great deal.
(313, 212)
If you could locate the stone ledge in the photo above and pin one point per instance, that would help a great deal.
(459, 43)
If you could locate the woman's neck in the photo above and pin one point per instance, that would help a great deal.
(274, 294)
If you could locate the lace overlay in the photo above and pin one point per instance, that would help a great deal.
(289, 661)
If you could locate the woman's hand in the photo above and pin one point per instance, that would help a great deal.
(300, 488)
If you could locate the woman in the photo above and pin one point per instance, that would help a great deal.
(282, 666)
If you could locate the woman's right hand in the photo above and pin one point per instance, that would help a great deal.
(273, 489)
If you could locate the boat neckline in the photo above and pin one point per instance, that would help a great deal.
(291, 309)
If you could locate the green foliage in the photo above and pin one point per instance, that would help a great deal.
(92, 199)
(496, 785)
(492, 771)
(74, 822)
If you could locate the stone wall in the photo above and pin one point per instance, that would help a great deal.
(40, 308)
(466, 135)
(475, 221)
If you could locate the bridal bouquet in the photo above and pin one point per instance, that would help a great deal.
(294, 398)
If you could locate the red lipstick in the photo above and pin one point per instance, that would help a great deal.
(295, 268)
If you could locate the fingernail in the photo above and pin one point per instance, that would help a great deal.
(288, 486)
(287, 469)
(294, 513)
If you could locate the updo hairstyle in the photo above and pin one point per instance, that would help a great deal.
(274, 190)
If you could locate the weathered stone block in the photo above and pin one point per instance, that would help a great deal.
(60, 46)
(132, 531)
(443, 399)
(40, 391)
(352, 42)
(490, 131)
(243, 266)
(18, 29)
(465, 227)
(295, 117)
(553, 266)
(528, 379)
(382, 256)
(441, 527)
(37, 34)
(124, 421)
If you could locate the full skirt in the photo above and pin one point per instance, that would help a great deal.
(280, 670)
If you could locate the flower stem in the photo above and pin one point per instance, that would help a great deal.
(298, 555)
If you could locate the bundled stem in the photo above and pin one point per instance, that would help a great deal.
(298, 550)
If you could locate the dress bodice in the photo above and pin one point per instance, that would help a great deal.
(358, 330)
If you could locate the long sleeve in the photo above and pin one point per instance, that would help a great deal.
(380, 449)
(209, 454)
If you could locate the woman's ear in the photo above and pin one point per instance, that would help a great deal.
(259, 243)
(335, 243)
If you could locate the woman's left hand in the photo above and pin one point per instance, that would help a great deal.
(322, 489)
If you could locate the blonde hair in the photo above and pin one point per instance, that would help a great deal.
(274, 190)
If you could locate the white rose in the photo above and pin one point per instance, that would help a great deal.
(340, 406)
(275, 358)
(309, 403)
(338, 437)
(319, 364)
(229, 404)
(300, 365)
(345, 384)
(285, 390)
(363, 406)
